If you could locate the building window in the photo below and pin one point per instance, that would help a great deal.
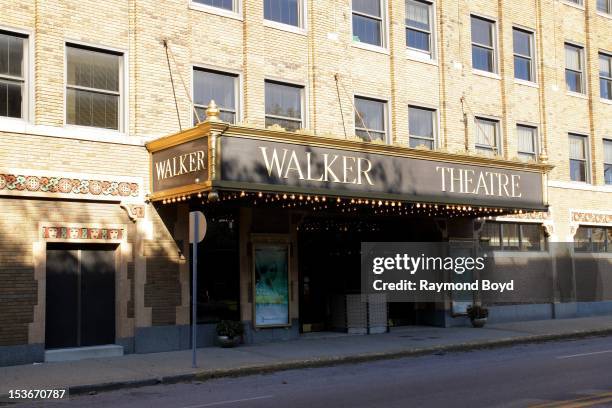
(574, 63)
(93, 89)
(483, 45)
(284, 11)
(605, 6)
(218, 86)
(523, 55)
(222, 4)
(607, 161)
(506, 236)
(370, 119)
(593, 239)
(605, 76)
(421, 127)
(578, 158)
(487, 136)
(419, 23)
(579, 2)
(368, 22)
(12, 75)
(284, 105)
(527, 142)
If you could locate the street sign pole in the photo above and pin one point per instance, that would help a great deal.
(194, 289)
(197, 231)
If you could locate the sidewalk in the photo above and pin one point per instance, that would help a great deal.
(315, 349)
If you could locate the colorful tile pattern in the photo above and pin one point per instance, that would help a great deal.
(60, 232)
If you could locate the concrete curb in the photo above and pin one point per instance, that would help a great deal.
(326, 362)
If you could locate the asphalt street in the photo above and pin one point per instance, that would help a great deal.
(571, 373)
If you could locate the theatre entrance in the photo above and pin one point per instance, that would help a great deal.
(330, 268)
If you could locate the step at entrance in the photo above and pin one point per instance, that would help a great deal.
(81, 353)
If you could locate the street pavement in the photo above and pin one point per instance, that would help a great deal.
(575, 373)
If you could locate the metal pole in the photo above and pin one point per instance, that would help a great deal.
(194, 288)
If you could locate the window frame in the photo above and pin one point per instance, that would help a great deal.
(27, 92)
(384, 20)
(432, 54)
(586, 160)
(589, 245)
(302, 20)
(122, 114)
(220, 71)
(494, 47)
(235, 13)
(497, 148)
(601, 54)
(434, 122)
(604, 141)
(386, 121)
(303, 102)
(536, 142)
(581, 59)
(543, 247)
(531, 58)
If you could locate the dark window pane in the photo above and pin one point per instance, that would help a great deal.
(574, 81)
(490, 235)
(605, 86)
(418, 40)
(218, 87)
(482, 58)
(414, 142)
(287, 124)
(482, 32)
(603, 6)
(417, 15)
(282, 11)
(224, 4)
(371, 114)
(283, 100)
(10, 98)
(598, 239)
(85, 108)
(577, 170)
(93, 69)
(225, 116)
(531, 237)
(366, 30)
(510, 236)
(370, 135)
(522, 68)
(371, 7)
(582, 240)
(608, 173)
(11, 55)
(522, 42)
(421, 122)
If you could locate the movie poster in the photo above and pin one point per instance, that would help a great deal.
(271, 285)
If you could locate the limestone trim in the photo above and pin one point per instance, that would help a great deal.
(588, 217)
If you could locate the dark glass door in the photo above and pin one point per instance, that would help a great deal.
(80, 307)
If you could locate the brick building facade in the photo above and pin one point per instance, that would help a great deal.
(78, 180)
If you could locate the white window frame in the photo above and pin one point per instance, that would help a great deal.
(583, 82)
(418, 53)
(579, 4)
(384, 34)
(223, 71)
(532, 58)
(302, 20)
(435, 120)
(27, 95)
(536, 141)
(497, 149)
(495, 34)
(123, 113)
(303, 100)
(386, 119)
(587, 157)
(607, 12)
(235, 13)
(608, 55)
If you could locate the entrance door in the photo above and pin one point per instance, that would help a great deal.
(80, 305)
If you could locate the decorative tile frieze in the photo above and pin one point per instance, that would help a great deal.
(591, 217)
(83, 233)
(70, 185)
